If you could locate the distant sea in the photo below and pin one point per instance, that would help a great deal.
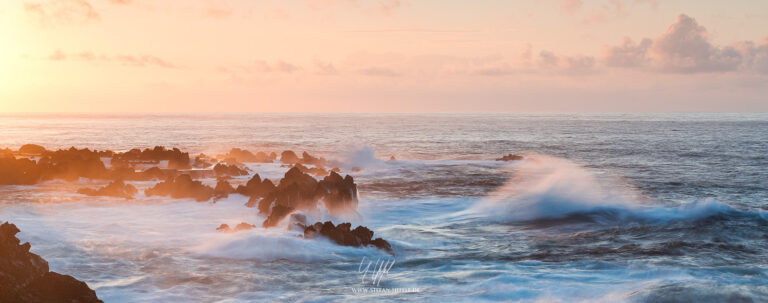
(603, 207)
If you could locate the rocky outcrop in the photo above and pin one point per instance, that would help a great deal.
(240, 227)
(342, 235)
(510, 157)
(256, 188)
(18, 171)
(32, 149)
(24, 276)
(222, 190)
(339, 194)
(181, 187)
(242, 155)
(289, 157)
(175, 157)
(300, 191)
(71, 164)
(113, 189)
(222, 169)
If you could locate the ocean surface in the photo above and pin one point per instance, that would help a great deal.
(604, 208)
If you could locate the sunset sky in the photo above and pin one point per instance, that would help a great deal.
(383, 55)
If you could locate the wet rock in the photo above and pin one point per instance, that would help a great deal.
(222, 190)
(32, 149)
(113, 189)
(71, 164)
(278, 213)
(510, 157)
(242, 155)
(342, 235)
(339, 194)
(244, 226)
(18, 171)
(223, 228)
(256, 187)
(181, 187)
(306, 158)
(24, 276)
(202, 161)
(316, 170)
(175, 157)
(229, 170)
(289, 157)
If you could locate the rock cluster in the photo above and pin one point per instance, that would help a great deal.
(181, 186)
(175, 157)
(113, 189)
(24, 276)
(342, 234)
(242, 155)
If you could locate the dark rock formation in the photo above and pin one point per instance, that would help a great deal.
(24, 276)
(242, 155)
(256, 188)
(339, 194)
(296, 190)
(316, 170)
(222, 190)
(278, 213)
(18, 171)
(71, 164)
(510, 157)
(32, 149)
(306, 158)
(181, 187)
(228, 170)
(342, 235)
(176, 158)
(201, 161)
(223, 228)
(113, 189)
(240, 227)
(300, 191)
(289, 157)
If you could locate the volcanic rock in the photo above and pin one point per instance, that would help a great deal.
(289, 157)
(33, 149)
(228, 170)
(113, 189)
(24, 276)
(181, 187)
(342, 235)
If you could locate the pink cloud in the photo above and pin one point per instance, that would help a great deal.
(59, 12)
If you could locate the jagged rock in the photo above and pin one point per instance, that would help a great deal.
(296, 190)
(223, 228)
(240, 227)
(256, 187)
(175, 157)
(306, 158)
(289, 157)
(181, 187)
(24, 276)
(18, 171)
(229, 170)
(201, 161)
(339, 194)
(244, 226)
(277, 214)
(72, 164)
(32, 149)
(246, 156)
(342, 235)
(113, 189)
(222, 189)
(510, 157)
(316, 170)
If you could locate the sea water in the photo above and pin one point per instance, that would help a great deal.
(604, 207)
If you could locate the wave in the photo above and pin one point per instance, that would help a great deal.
(545, 187)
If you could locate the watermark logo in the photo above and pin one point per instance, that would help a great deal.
(373, 272)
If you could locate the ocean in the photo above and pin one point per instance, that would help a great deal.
(603, 208)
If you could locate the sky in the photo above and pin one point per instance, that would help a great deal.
(383, 56)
